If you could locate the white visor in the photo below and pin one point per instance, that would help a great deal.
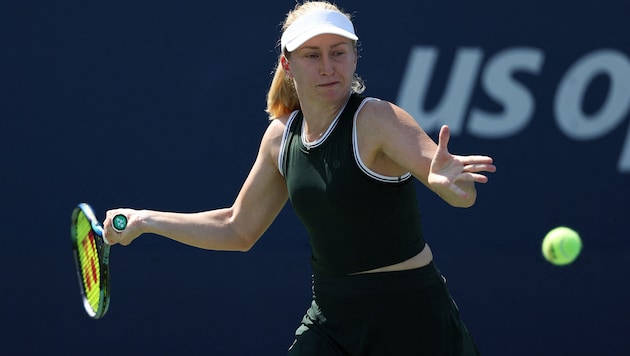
(316, 23)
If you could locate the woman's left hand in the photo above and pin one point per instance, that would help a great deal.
(457, 174)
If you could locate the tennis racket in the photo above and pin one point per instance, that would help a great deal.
(91, 256)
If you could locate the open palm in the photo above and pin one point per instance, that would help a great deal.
(457, 173)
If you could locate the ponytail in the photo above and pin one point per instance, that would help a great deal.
(282, 98)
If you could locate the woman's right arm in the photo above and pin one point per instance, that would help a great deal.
(236, 228)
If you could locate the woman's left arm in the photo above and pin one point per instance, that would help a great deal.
(392, 134)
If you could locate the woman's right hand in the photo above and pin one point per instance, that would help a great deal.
(129, 233)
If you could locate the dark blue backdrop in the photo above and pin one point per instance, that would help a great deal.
(156, 104)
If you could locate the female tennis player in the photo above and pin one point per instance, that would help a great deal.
(348, 165)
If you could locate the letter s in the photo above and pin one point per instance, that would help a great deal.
(500, 85)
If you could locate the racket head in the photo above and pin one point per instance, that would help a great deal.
(91, 256)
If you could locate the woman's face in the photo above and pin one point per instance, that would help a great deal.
(323, 67)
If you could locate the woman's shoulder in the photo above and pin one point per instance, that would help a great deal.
(276, 131)
(379, 111)
(278, 125)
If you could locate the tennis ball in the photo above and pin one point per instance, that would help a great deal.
(561, 245)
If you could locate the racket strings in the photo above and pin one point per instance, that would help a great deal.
(89, 262)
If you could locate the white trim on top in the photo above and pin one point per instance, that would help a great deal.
(357, 157)
(320, 140)
(283, 143)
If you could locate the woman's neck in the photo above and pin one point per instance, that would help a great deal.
(318, 117)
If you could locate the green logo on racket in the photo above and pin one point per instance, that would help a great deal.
(120, 222)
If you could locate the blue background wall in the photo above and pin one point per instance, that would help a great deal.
(156, 104)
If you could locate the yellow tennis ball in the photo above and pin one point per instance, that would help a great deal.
(561, 245)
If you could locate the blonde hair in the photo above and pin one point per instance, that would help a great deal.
(282, 98)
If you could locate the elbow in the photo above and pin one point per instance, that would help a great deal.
(245, 242)
(240, 237)
(245, 246)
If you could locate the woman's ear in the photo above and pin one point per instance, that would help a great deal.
(285, 65)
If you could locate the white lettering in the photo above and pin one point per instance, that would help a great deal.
(571, 118)
(452, 107)
(499, 83)
(624, 160)
(517, 102)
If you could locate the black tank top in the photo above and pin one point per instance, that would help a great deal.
(357, 220)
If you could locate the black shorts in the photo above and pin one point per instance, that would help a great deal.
(390, 313)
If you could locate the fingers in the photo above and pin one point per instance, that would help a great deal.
(471, 163)
(474, 159)
(473, 177)
(480, 167)
(105, 239)
(109, 234)
(113, 236)
(466, 177)
(476, 163)
(458, 173)
(444, 137)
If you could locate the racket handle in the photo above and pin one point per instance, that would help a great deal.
(119, 223)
